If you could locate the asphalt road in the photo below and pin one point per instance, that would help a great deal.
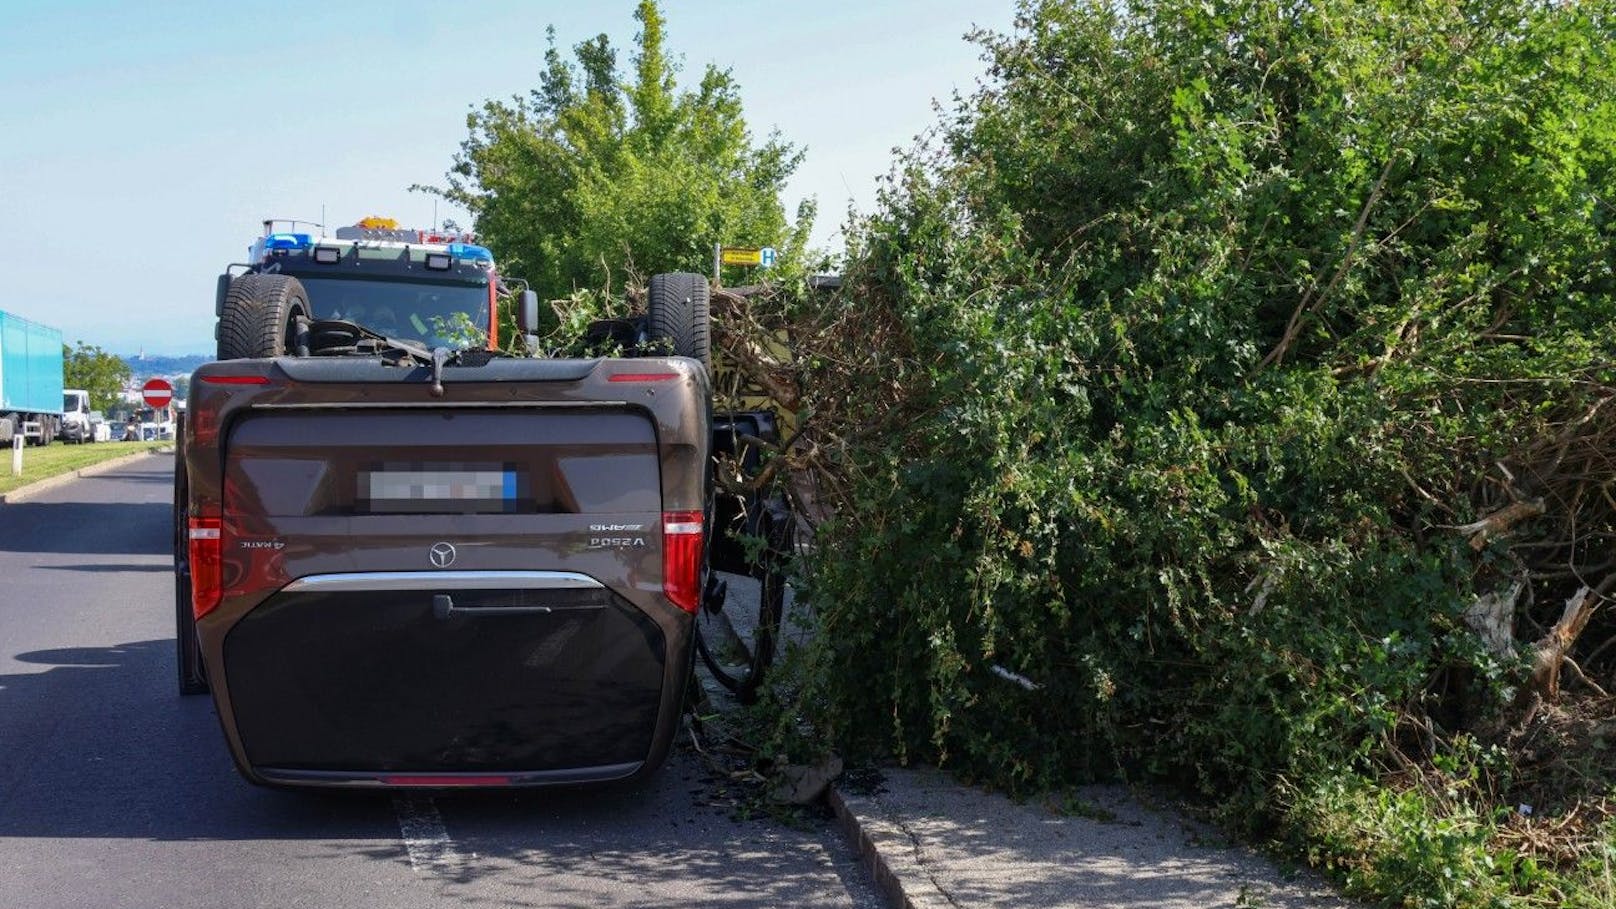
(116, 792)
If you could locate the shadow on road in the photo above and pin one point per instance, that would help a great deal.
(101, 745)
(121, 528)
(658, 843)
(96, 745)
(163, 478)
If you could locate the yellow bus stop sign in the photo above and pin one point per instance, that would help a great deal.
(740, 255)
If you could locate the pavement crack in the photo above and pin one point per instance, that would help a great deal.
(921, 861)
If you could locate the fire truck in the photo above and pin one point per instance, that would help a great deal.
(298, 291)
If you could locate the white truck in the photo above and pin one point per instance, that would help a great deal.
(76, 425)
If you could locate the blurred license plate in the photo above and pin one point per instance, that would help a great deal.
(451, 488)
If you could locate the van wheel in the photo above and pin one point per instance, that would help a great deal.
(677, 316)
(188, 655)
(738, 643)
(261, 316)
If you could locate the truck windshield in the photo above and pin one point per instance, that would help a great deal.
(436, 314)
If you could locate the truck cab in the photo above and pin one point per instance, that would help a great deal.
(75, 426)
(431, 288)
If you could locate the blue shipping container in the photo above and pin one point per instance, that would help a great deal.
(30, 366)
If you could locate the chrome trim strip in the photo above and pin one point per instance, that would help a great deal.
(443, 580)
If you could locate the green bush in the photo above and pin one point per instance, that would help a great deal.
(1164, 374)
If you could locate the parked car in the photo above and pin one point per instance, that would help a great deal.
(100, 429)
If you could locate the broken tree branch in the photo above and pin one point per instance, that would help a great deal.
(1500, 521)
(1549, 653)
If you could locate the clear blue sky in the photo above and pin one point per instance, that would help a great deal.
(141, 145)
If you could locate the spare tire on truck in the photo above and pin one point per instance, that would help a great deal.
(677, 320)
(259, 316)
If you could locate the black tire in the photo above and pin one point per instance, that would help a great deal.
(740, 660)
(188, 654)
(677, 316)
(260, 317)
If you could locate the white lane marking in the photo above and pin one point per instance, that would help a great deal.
(426, 840)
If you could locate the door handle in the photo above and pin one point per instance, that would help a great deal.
(443, 607)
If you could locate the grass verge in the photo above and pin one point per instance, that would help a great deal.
(57, 459)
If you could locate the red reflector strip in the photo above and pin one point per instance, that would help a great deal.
(206, 563)
(236, 380)
(641, 376)
(446, 780)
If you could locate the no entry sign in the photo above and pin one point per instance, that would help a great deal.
(157, 392)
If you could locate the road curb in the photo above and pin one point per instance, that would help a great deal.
(23, 493)
(883, 849)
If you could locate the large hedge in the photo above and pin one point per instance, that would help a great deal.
(1165, 379)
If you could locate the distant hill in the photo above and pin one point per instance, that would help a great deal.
(149, 365)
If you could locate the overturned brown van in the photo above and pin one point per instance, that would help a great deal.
(403, 565)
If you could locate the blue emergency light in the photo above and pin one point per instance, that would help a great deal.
(470, 251)
(275, 242)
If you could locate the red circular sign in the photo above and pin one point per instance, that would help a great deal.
(157, 392)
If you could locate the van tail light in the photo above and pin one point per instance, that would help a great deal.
(202, 420)
(681, 558)
(207, 569)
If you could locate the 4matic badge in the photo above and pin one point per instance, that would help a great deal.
(276, 545)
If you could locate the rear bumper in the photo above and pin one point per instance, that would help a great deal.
(367, 680)
(337, 779)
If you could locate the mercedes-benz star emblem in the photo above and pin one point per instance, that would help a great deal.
(442, 554)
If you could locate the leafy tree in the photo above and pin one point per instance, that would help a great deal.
(100, 373)
(589, 178)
